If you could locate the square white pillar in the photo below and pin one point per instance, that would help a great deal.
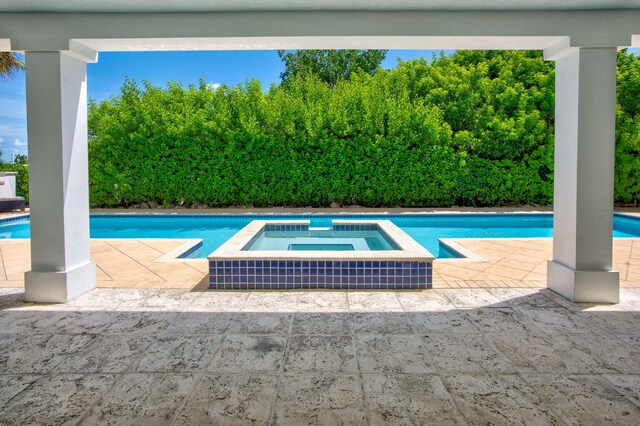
(581, 268)
(61, 267)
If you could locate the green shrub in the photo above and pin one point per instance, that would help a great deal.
(475, 128)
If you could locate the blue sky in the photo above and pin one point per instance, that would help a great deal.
(107, 75)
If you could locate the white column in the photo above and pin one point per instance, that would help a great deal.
(581, 268)
(61, 267)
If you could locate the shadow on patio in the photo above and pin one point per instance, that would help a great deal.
(446, 356)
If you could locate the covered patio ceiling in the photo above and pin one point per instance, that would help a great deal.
(143, 25)
(271, 5)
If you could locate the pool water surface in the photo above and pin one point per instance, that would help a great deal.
(426, 229)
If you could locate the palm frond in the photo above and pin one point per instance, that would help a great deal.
(10, 65)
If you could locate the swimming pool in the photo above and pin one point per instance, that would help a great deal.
(426, 229)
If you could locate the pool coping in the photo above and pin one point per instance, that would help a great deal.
(409, 248)
(174, 256)
(467, 255)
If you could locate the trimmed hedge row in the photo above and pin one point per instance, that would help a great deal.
(475, 128)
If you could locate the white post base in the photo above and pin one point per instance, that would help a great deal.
(583, 286)
(59, 287)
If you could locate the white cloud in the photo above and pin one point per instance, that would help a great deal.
(213, 86)
(1, 140)
(18, 142)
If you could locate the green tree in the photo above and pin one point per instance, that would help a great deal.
(20, 159)
(330, 66)
(10, 64)
(627, 176)
(473, 128)
(499, 105)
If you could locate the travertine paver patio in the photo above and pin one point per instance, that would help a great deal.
(443, 356)
(134, 264)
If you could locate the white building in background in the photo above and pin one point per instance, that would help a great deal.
(61, 36)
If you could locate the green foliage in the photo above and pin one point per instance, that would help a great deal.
(500, 108)
(307, 145)
(10, 64)
(475, 129)
(627, 176)
(21, 159)
(330, 66)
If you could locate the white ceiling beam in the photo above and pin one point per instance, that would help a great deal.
(272, 30)
(137, 6)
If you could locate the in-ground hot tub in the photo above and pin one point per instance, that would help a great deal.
(358, 255)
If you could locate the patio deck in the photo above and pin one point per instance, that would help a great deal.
(175, 353)
(442, 356)
(509, 263)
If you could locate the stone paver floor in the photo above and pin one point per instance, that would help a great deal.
(508, 263)
(443, 356)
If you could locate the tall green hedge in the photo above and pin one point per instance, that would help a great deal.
(475, 128)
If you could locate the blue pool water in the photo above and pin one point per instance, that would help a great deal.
(322, 239)
(425, 229)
